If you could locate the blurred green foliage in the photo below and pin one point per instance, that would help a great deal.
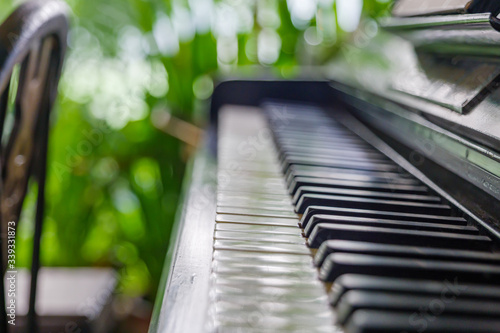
(114, 180)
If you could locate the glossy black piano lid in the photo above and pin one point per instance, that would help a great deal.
(444, 7)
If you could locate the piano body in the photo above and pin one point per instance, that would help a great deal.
(366, 201)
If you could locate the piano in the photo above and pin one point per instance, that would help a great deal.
(366, 200)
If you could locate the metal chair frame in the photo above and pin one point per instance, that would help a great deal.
(32, 38)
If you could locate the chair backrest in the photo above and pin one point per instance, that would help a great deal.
(32, 47)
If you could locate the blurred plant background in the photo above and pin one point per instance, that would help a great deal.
(114, 179)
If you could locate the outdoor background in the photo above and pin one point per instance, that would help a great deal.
(114, 179)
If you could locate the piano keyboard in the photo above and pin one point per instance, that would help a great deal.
(317, 231)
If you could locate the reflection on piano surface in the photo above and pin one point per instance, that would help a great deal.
(362, 203)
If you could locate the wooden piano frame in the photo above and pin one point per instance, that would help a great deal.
(183, 297)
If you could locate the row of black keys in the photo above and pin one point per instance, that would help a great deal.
(400, 258)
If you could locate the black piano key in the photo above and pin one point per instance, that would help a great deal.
(339, 163)
(316, 210)
(386, 223)
(337, 264)
(322, 135)
(305, 116)
(368, 300)
(325, 231)
(331, 136)
(323, 126)
(286, 145)
(363, 185)
(332, 152)
(313, 138)
(403, 251)
(348, 174)
(368, 203)
(285, 148)
(448, 289)
(302, 132)
(306, 113)
(384, 220)
(301, 124)
(372, 321)
(363, 193)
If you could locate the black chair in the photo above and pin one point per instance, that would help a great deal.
(32, 48)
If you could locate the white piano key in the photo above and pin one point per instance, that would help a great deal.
(271, 238)
(256, 246)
